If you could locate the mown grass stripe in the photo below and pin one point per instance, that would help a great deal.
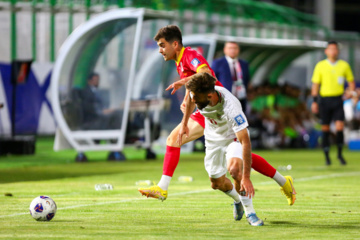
(335, 175)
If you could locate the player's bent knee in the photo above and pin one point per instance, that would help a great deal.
(234, 172)
(172, 140)
(215, 185)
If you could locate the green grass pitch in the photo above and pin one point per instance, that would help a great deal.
(327, 205)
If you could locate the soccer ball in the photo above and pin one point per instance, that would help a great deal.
(43, 208)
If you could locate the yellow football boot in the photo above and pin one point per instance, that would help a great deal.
(154, 192)
(288, 190)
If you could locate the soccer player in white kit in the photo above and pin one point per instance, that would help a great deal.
(227, 139)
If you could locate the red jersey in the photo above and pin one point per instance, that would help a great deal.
(189, 63)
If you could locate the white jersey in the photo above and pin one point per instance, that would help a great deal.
(224, 119)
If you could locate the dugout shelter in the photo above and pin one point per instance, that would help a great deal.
(113, 45)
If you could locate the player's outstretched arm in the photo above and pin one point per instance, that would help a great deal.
(205, 69)
(189, 108)
(178, 84)
(246, 184)
(183, 104)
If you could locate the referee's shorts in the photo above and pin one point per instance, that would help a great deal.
(331, 109)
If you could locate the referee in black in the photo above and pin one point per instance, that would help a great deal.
(327, 91)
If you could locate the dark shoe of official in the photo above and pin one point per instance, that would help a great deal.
(327, 161)
(150, 155)
(342, 160)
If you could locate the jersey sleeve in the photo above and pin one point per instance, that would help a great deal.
(196, 61)
(316, 77)
(235, 115)
(348, 73)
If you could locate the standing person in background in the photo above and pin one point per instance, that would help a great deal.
(329, 77)
(233, 72)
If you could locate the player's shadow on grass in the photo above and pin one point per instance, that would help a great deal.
(67, 221)
(281, 222)
(339, 226)
(42, 173)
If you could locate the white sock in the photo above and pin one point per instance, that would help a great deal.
(164, 182)
(279, 179)
(234, 195)
(247, 204)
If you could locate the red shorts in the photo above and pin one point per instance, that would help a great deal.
(197, 117)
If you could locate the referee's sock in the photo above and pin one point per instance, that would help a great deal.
(326, 146)
(340, 143)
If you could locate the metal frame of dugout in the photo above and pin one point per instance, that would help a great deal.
(85, 51)
(267, 58)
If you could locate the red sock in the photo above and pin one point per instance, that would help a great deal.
(260, 165)
(171, 160)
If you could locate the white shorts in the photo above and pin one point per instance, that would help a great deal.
(217, 154)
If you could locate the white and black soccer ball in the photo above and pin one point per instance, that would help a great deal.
(43, 208)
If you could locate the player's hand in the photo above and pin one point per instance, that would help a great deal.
(175, 86)
(315, 108)
(183, 130)
(246, 185)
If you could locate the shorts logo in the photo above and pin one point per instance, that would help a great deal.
(239, 119)
(195, 62)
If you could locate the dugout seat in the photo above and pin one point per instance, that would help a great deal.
(72, 109)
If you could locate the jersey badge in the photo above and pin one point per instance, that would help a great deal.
(195, 62)
(239, 119)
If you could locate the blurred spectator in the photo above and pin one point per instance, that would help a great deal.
(352, 110)
(279, 119)
(233, 72)
(95, 114)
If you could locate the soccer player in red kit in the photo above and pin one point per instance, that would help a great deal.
(188, 63)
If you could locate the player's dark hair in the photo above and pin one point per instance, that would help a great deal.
(91, 75)
(171, 33)
(332, 42)
(201, 83)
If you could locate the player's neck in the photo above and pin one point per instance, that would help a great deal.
(214, 99)
(332, 60)
(178, 53)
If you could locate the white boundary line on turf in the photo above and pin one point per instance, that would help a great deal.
(316, 177)
(335, 175)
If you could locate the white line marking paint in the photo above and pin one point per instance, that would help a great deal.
(335, 175)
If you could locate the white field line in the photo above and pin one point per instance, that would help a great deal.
(335, 175)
